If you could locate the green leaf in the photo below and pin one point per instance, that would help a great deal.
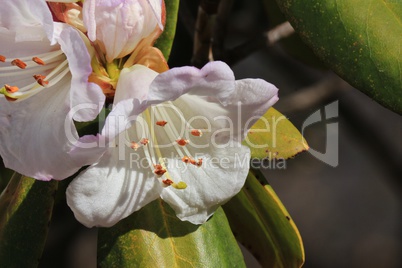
(293, 44)
(261, 223)
(273, 136)
(165, 41)
(360, 40)
(25, 210)
(155, 237)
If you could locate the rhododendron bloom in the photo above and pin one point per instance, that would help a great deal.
(44, 69)
(175, 135)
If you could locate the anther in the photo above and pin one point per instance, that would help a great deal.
(182, 142)
(159, 170)
(134, 145)
(167, 182)
(2, 58)
(38, 61)
(19, 63)
(161, 123)
(180, 185)
(144, 141)
(186, 159)
(197, 163)
(11, 89)
(196, 132)
(41, 80)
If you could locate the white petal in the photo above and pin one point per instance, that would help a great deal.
(113, 188)
(220, 177)
(35, 139)
(86, 97)
(131, 90)
(31, 20)
(134, 83)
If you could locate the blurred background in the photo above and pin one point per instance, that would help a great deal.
(349, 215)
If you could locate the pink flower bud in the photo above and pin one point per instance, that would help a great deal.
(117, 26)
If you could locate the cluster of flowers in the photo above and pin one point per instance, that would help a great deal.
(61, 62)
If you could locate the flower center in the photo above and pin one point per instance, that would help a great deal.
(46, 70)
(152, 150)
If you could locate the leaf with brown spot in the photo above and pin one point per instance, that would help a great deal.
(273, 136)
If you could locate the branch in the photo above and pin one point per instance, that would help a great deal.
(269, 38)
(220, 29)
(203, 29)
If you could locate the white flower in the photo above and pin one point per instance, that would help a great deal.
(44, 69)
(176, 135)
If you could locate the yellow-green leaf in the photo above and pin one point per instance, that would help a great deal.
(155, 237)
(273, 136)
(262, 224)
(25, 210)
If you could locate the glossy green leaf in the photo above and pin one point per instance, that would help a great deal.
(273, 136)
(155, 237)
(261, 223)
(25, 210)
(165, 41)
(293, 45)
(360, 40)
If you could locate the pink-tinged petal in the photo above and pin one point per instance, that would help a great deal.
(156, 7)
(87, 98)
(35, 137)
(112, 189)
(213, 94)
(88, 11)
(127, 21)
(221, 176)
(31, 20)
(214, 79)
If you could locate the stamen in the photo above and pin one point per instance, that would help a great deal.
(161, 123)
(11, 89)
(2, 58)
(19, 63)
(134, 146)
(186, 159)
(167, 182)
(170, 130)
(199, 162)
(144, 141)
(196, 132)
(38, 60)
(41, 80)
(182, 142)
(159, 170)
